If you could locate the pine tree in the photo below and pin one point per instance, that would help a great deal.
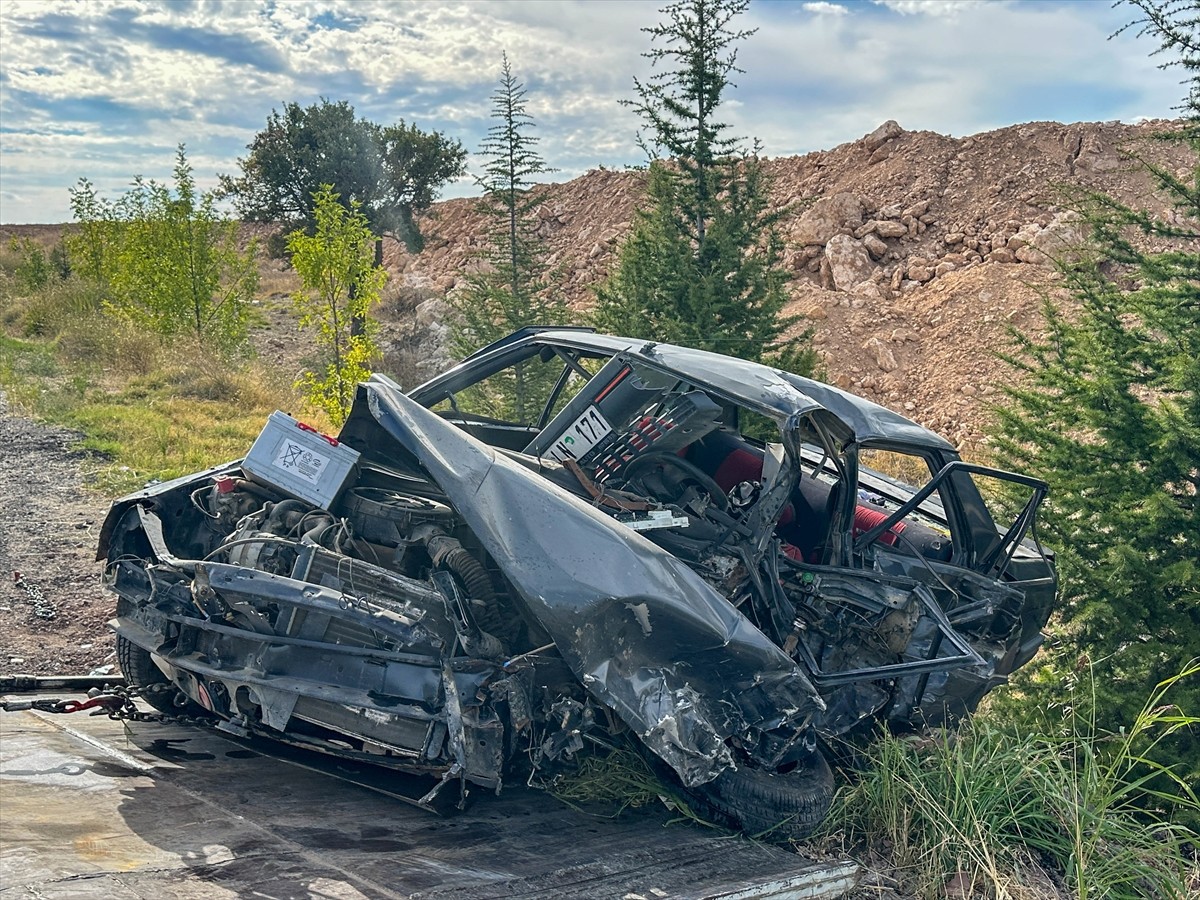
(1110, 416)
(513, 288)
(702, 264)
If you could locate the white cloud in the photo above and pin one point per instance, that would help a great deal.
(946, 8)
(824, 8)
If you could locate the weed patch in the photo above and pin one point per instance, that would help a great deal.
(607, 780)
(986, 806)
(195, 412)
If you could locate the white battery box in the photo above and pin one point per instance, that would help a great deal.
(299, 461)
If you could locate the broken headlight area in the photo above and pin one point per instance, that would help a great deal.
(666, 546)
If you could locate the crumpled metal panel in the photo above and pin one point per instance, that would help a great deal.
(643, 632)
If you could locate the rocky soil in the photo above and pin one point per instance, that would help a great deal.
(52, 606)
(912, 252)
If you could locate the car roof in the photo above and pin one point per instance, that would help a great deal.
(753, 384)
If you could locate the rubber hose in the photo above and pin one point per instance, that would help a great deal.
(279, 510)
(474, 577)
(447, 552)
(478, 585)
(245, 484)
(315, 533)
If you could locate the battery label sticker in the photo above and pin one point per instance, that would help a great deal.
(298, 460)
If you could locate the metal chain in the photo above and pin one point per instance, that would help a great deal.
(117, 701)
(42, 608)
(129, 711)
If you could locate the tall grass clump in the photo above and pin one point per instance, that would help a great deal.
(618, 778)
(1093, 813)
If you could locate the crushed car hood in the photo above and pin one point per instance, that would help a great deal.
(643, 632)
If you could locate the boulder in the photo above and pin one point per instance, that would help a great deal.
(869, 291)
(882, 354)
(880, 154)
(849, 262)
(432, 312)
(1027, 253)
(1061, 238)
(1096, 156)
(1025, 235)
(885, 132)
(875, 246)
(827, 217)
(890, 229)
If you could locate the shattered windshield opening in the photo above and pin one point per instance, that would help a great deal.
(509, 407)
(887, 479)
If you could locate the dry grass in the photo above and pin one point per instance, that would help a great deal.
(149, 409)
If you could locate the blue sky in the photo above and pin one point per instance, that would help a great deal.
(106, 89)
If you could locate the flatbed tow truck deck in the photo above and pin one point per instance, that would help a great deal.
(92, 807)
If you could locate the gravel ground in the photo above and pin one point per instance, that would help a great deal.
(52, 605)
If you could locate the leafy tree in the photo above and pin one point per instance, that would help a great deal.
(91, 246)
(391, 172)
(512, 290)
(337, 263)
(416, 164)
(178, 266)
(1110, 416)
(169, 261)
(32, 271)
(702, 265)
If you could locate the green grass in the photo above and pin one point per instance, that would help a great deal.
(162, 437)
(998, 809)
(25, 359)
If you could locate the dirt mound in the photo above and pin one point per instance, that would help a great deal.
(912, 252)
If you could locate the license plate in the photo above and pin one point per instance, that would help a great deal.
(581, 435)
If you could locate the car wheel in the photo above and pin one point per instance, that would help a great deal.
(141, 672)
(768, 805)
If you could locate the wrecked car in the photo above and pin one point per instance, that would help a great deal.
(572, 536)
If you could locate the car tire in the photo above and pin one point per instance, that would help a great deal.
(772, 806)
(141, 672)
